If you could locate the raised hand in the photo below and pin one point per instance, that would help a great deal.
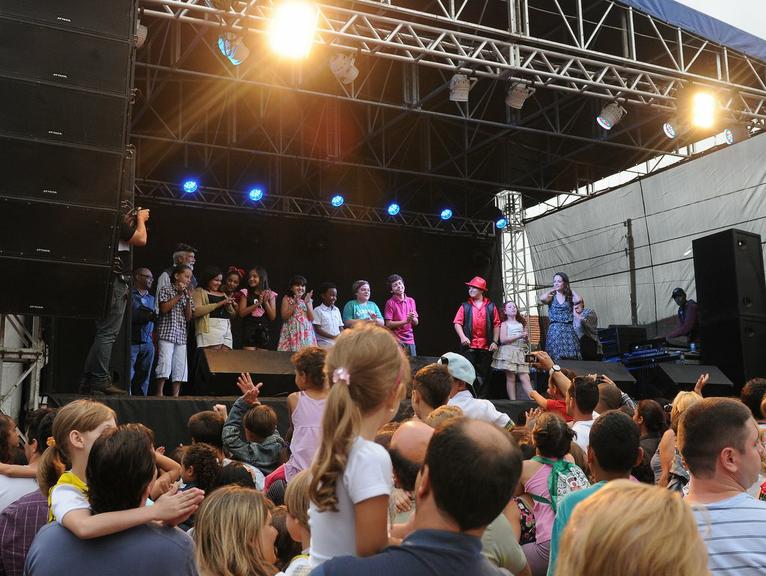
(249, 390)
(701, 381)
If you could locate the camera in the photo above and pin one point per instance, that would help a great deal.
(530, 358)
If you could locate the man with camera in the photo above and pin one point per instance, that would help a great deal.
(132, 232)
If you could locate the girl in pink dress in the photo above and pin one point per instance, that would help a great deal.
(297, 317)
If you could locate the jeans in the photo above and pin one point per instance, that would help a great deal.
(141, 358)
(107, 329)
(409, 349)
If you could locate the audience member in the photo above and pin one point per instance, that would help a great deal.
(120, 471)
(200, 467)
(286, 547)
(328, 323)
(559, 381)
(233, 535)
(141, 327)
(400, 314)
(609, 396)
(631, 529)
(449, 520)
(442, 414)
(408, 452)
(463, 375)
(752, 395)
(431, 387)
(582, 398)
(297, 503)
(613, 451)
(650, 418)
(720, 443)
(235, 473)
(673, 471)
(352, 475)
(262, 446)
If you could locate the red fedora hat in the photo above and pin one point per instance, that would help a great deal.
(478, 282)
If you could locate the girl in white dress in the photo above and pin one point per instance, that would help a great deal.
(510, 354)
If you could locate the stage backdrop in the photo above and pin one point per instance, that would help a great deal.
(669, 209)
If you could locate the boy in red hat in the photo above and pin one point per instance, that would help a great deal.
(477, 324)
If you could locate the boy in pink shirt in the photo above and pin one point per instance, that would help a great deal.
(400, 314)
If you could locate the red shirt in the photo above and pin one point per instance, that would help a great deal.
(478, 335)
(559, 406)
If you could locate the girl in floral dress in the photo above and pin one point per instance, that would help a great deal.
(297, 316)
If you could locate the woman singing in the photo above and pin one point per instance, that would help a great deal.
(562, 341)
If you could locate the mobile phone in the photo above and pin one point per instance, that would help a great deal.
(530, 358)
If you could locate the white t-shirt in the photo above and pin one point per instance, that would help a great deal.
(583, 433)
(11, 489)
(65, 498)
(368, 474)
(329, 320)
(479, 409)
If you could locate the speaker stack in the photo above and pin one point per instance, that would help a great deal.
(731, 289)
(66, 72)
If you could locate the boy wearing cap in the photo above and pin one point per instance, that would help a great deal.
(463, 375)
(477, 324)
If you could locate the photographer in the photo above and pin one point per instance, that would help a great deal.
(133, 232)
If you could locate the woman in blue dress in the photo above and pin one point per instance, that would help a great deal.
(562, 341)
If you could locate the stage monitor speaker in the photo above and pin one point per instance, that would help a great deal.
(66, 72)
(617, 340)
(677, 377)
(218, 371)
(737, 345)
(728, 270)
(614, 370)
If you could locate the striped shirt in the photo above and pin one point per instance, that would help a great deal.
(734, 531)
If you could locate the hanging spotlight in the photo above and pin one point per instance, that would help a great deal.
(141, 33)
(518, 92)
(610, 116)
(735, 133)
(292, 27)
(337, 201)
(342, 66)
(501, 223)
(233, 47)
(704, 107)
(255, 194)
(393, 209)
(446, 214)
(190, 186)
(459, 87)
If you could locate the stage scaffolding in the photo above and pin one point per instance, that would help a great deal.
(26, 349)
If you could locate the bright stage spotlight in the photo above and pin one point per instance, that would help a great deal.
(233, 47)
(393, 209)
(459, 87)
(190, 186)
(446, 214)
(518, 92)
(501, 223)
(255, 194)
(337, 200)
(704, 109)
(292, 27)
(141, 33)
(734, 133)
(342, 66)
(610, 116)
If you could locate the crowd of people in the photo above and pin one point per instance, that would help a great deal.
(587, 483)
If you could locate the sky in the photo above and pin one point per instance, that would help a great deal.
(747, 15)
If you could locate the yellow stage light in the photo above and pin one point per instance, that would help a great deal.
(291, 32)
(704, 108)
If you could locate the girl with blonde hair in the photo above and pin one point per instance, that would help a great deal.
(233, 535)
(673, 473)
(351, 474)
(628, 528)
(61, 471)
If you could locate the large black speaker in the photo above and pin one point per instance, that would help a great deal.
(66, 72)
(728, 270)
(737, 345)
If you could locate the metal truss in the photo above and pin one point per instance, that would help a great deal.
(295, 207)
(32, 353)
(647, 65)
(518, 278)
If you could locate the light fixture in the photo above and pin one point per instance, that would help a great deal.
(610, 116)
(501, 223)
(190, 186)
(233, 47)
(446, 214)
(337, 200)
(518, 92)
(459, 87)
(735, 132)
(292, 27)
(393, 209)
(141, 33)
(704, 107)
(255, 194)
(342, 66)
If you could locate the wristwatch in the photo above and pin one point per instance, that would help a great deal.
(554, 368)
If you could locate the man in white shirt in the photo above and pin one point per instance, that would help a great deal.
(720, 443)
(463, 376)
(582, 398)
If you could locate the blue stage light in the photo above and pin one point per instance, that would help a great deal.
(393, 209)
(190, 186)
(337, 200)
(446, 214)
(501, 223)
(256, 194)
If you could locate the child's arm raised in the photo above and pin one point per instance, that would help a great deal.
(539, 398)
(231, 436)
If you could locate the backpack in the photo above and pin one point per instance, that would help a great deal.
(565, 477)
